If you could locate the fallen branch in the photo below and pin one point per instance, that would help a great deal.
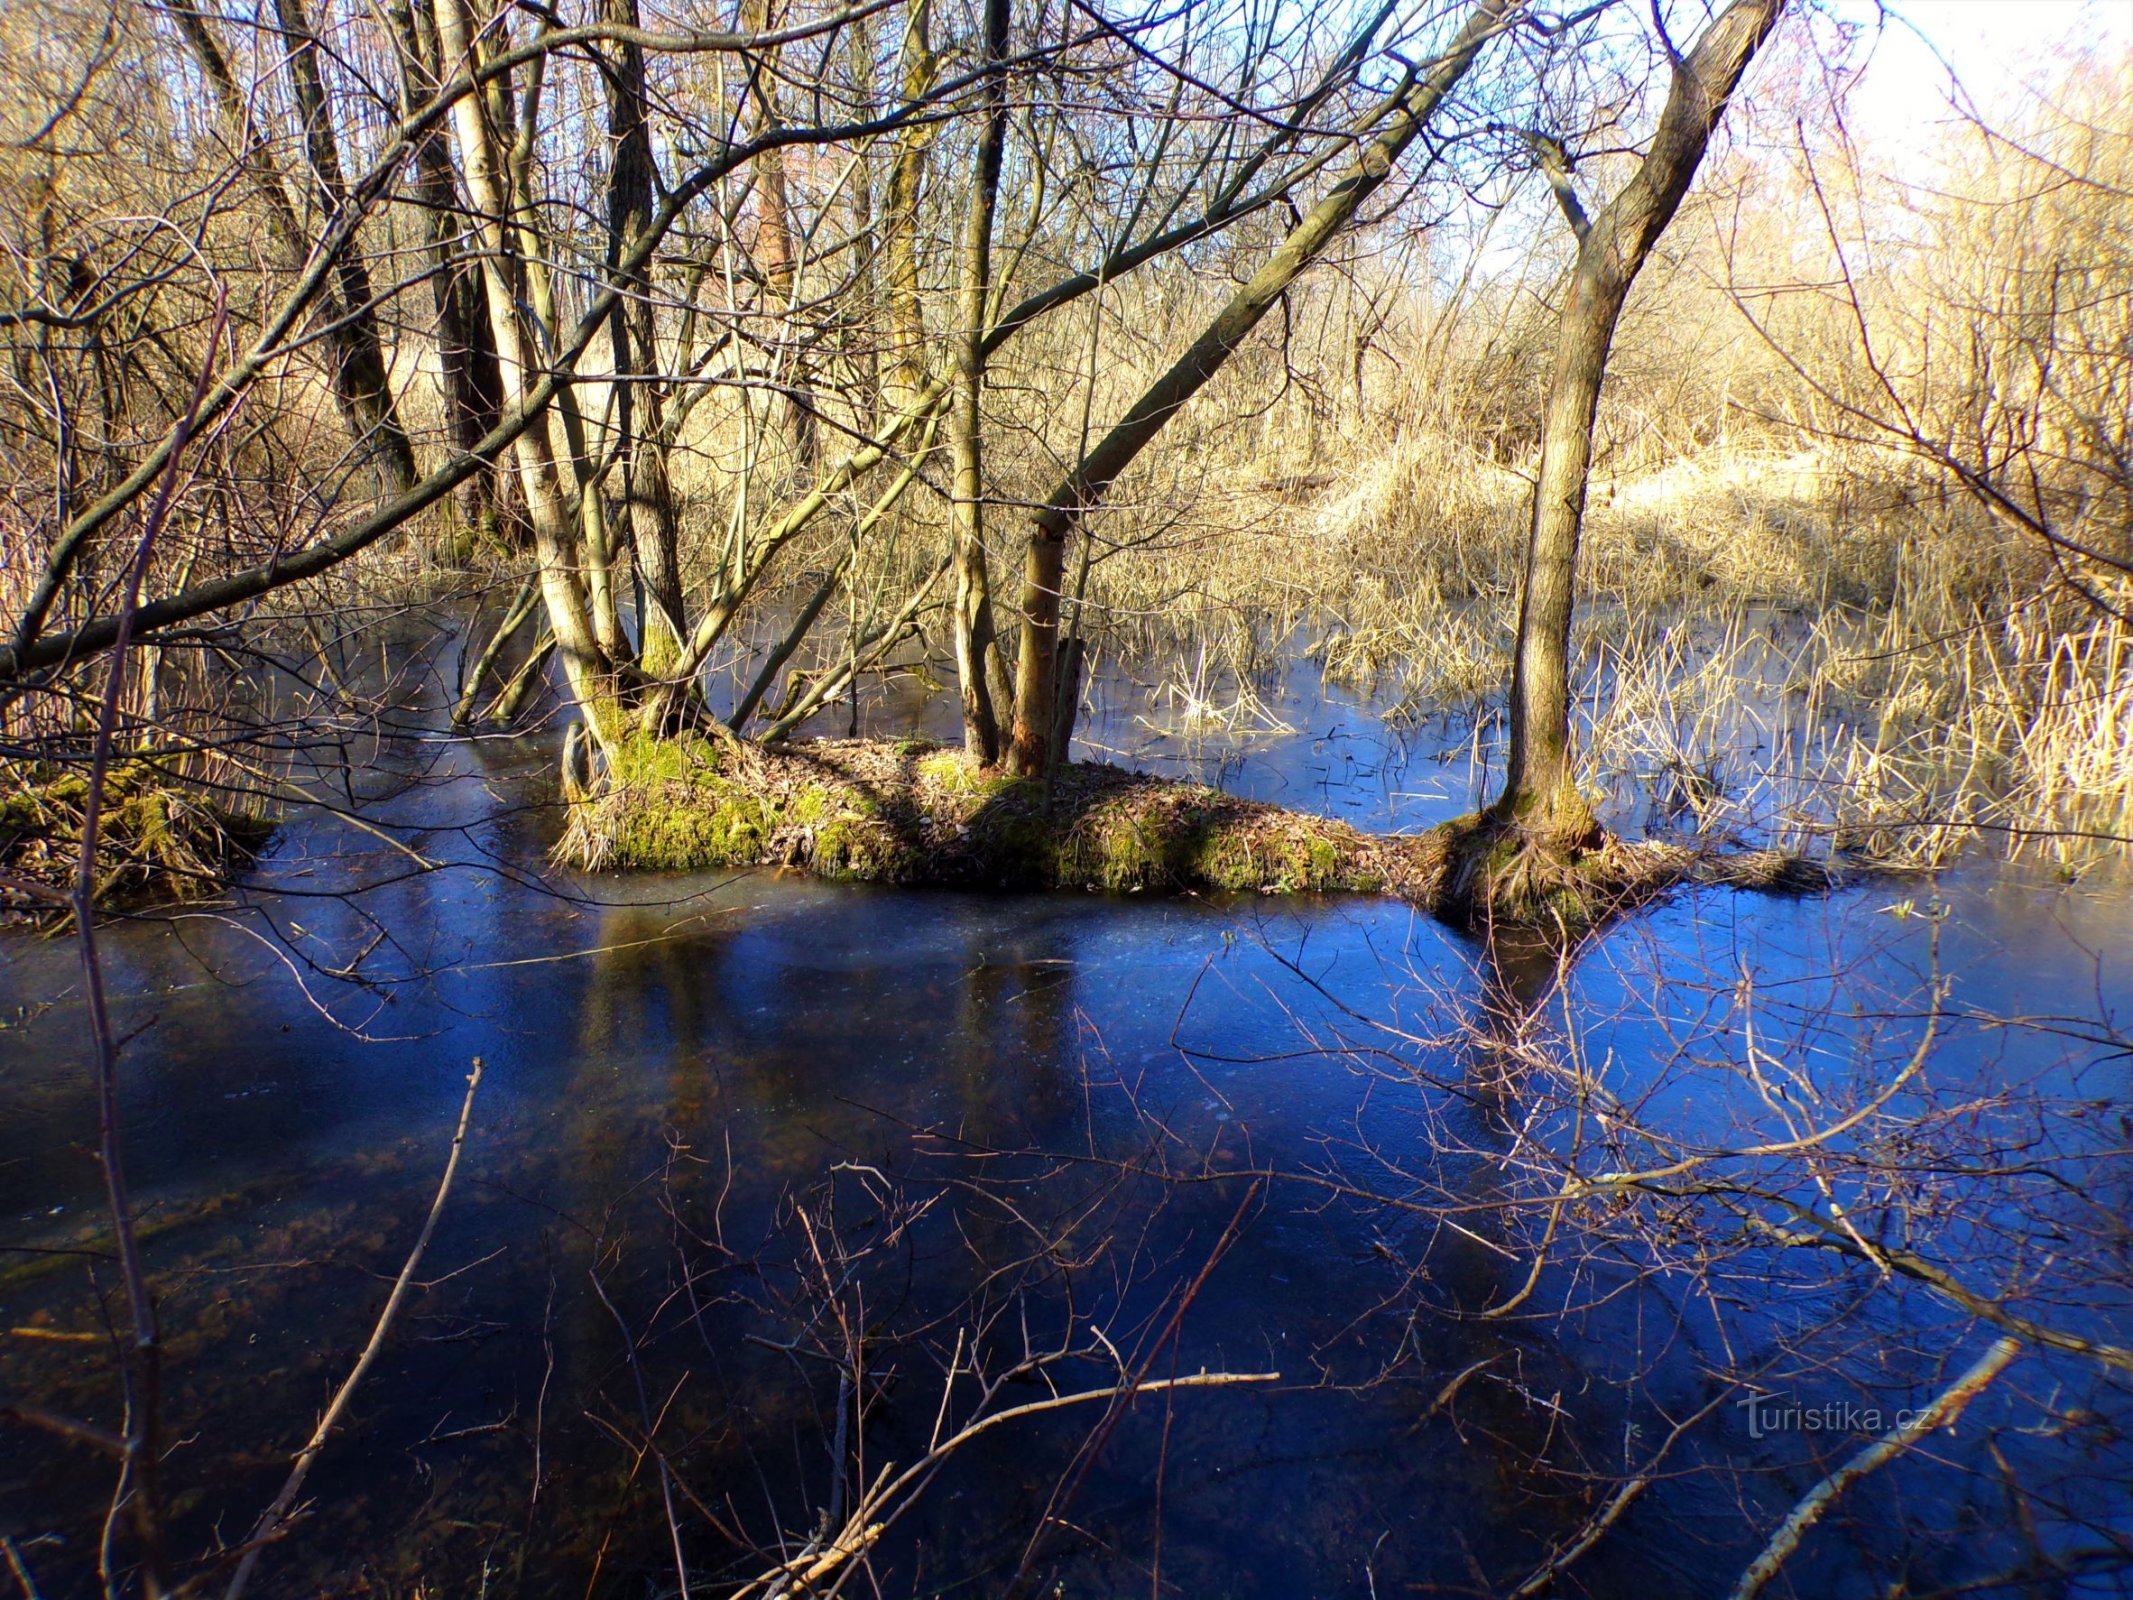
(891, 1495)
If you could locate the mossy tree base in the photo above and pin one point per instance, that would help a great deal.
(1502, 873)
(919, 814)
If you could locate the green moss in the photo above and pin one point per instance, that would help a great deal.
(674, 827)
(1017, 847)
(950, 770)
(1200, 839)
(159, 835)
(1116, 848)
(861, 849)
(1225, 860)
(1323, 862)
(668, 806)
(870, 813)
(955, 772)
(646, 758)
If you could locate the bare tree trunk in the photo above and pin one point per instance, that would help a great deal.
(1037, 667)
(549, 505)
(1540, 792)
(774, 253)
(899, 223)
(365, 376)
(358, 375)
(534, 281)
(639, 409)
(466, 355)
(973, 586)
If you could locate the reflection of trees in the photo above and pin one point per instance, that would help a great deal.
(1010, 1041)
(1791, 1177)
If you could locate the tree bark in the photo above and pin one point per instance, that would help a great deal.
(549, 506)
(472, 387)
(899, 222)
(640, 401)
(774, 253)
(1540, 792)
(973, 587)
(1037, 666)
(357, 369)
(365, 378)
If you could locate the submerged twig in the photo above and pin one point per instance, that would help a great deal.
(274, 1520)
(1942, 1413)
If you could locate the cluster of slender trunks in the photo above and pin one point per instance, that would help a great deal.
(591, 499)
(1021, 720)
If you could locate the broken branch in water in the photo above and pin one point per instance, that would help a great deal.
(1942, 1413)
(890, 1496)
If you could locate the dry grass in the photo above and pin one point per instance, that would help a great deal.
(1779, 647)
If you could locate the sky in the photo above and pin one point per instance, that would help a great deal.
(1989, 44)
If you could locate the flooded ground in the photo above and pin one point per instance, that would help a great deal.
(776, 1185)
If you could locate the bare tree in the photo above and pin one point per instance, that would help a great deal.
(973, 597)
(1540, 797)
(1398, 121)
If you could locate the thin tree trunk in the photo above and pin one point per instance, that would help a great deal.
(1540, 792)
(1037, 666)
(365, 375)
(774, 253)
(973, 586)
(899, 222)
(535, 282)
(515, 617)
(549, 506)
(357, 369)
(859, 343)
(466, 356)
(639, 409)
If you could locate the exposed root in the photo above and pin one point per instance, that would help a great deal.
(1502, 875)
(915, 813)
(1499, 874)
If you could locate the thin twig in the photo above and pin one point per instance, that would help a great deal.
(139, 1478)
(274, 1519)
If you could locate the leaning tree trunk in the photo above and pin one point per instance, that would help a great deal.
(973, 587)
(1037, 718)
(551, 506)
(1540, 790)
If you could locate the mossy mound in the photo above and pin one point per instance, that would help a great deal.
(916, 813)
(159, 837)
(1501, 874)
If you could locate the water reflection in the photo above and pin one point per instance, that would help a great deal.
(993, 1119)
